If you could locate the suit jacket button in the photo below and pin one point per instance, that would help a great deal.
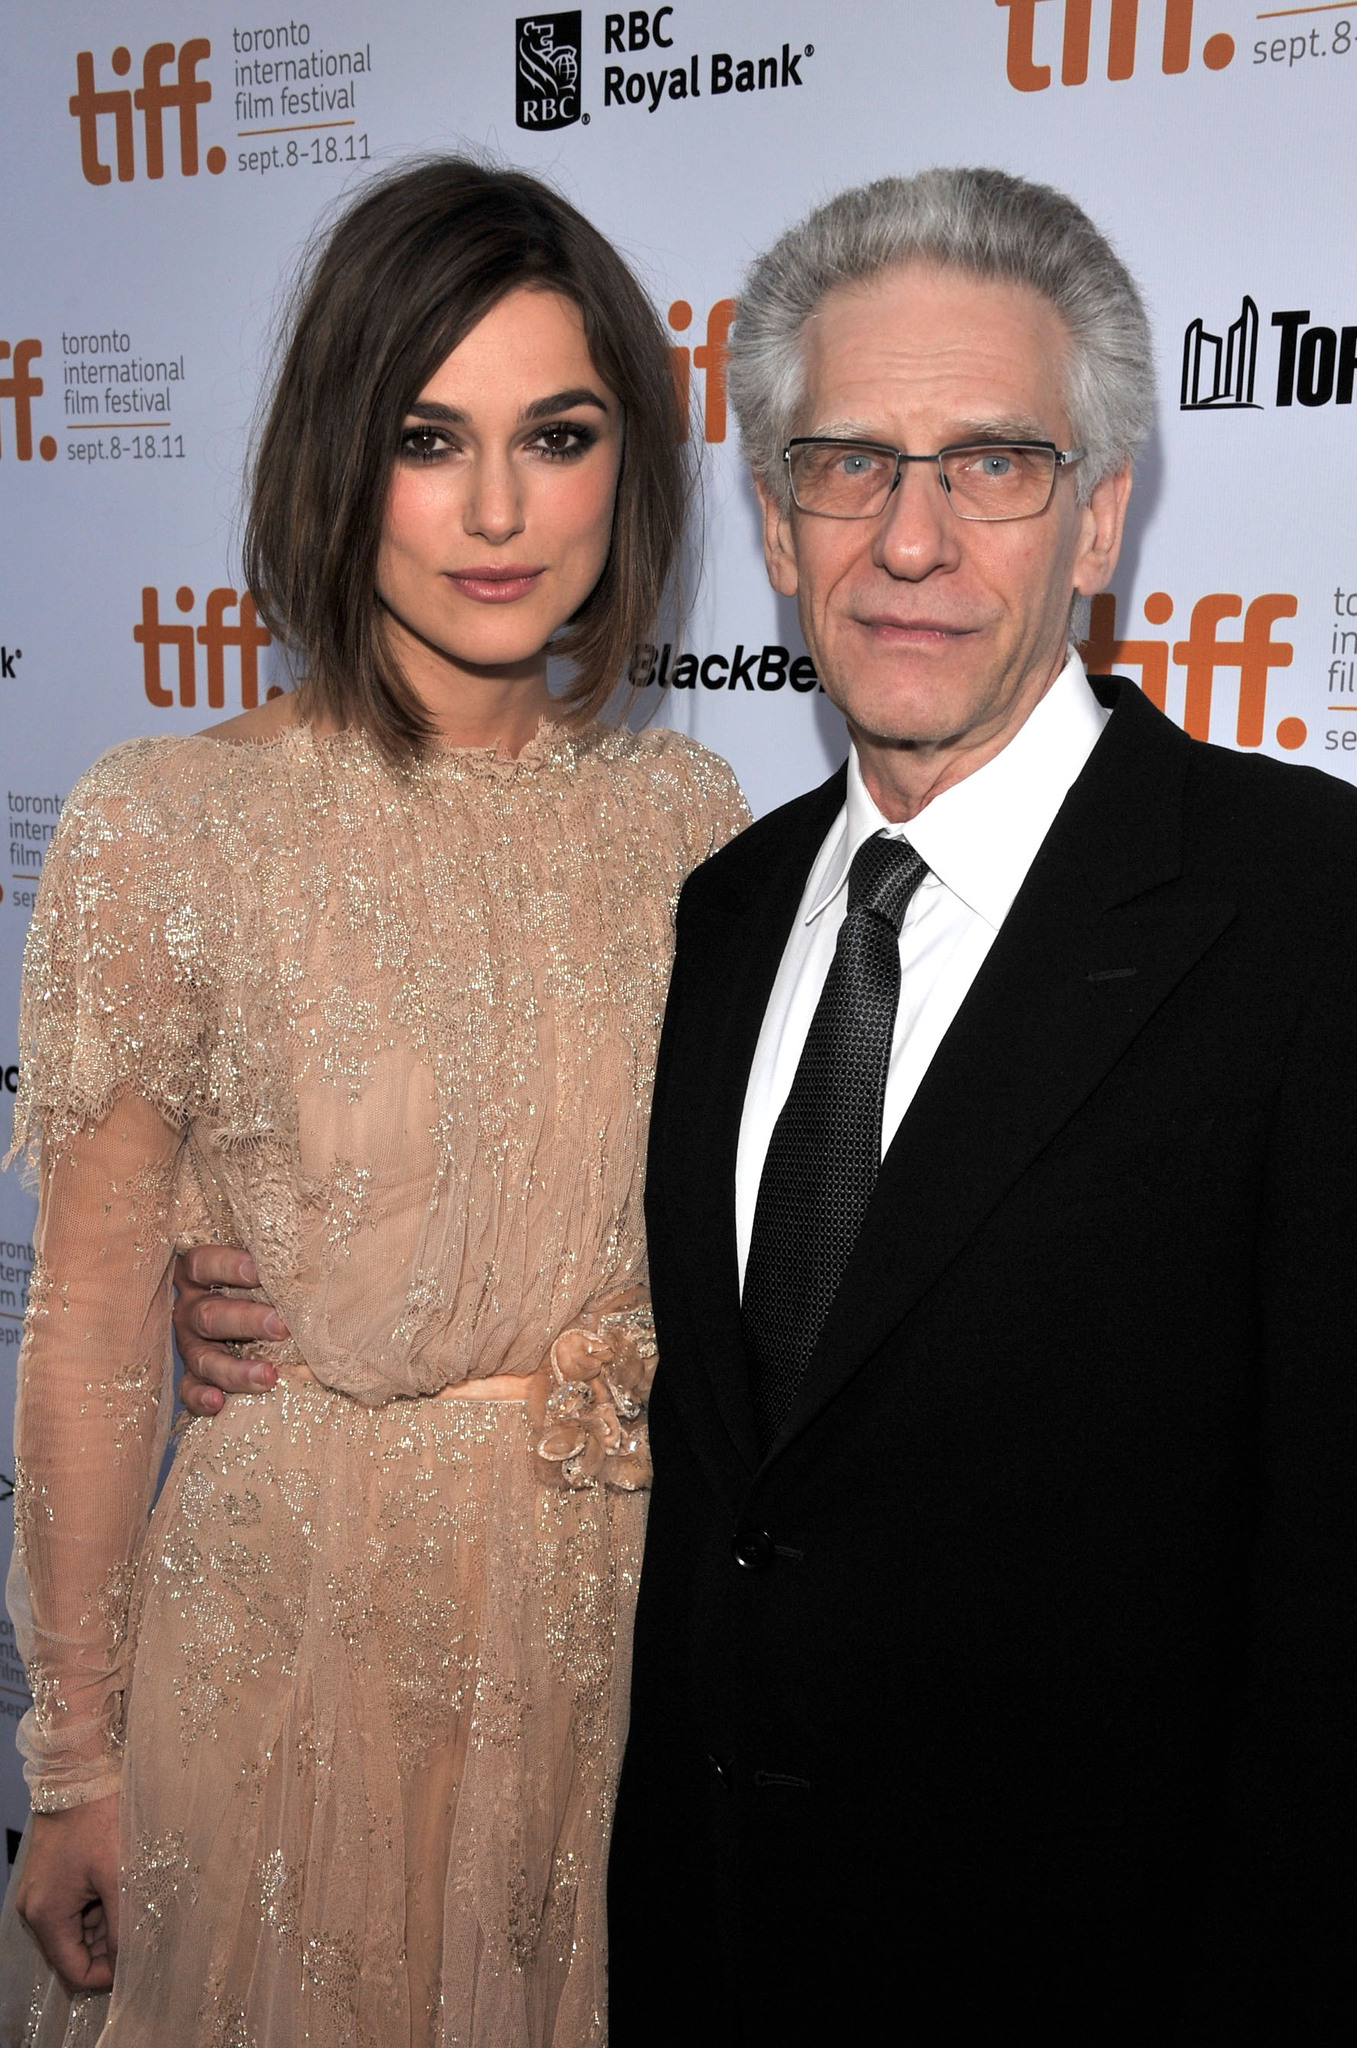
(752, 1549)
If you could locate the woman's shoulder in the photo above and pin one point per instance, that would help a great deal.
(147, 778)
(689, 778)
(162, 797)
(661, 754)
(145, 772)
(166, 768)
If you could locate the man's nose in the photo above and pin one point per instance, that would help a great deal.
(494, 500)
(918, 532)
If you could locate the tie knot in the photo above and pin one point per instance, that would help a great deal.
(884, 875)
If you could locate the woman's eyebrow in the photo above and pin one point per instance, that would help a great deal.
(430, 409)
(561, 401)
(540, 408)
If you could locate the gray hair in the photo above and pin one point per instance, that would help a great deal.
(987, 224)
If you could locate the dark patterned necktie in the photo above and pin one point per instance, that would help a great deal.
(825, 1151)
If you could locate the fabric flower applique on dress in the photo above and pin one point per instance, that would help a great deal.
(593, 1423)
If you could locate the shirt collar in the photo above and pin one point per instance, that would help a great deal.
(981, 836)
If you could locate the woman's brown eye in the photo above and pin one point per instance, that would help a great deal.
(422, 442)
(565, 440)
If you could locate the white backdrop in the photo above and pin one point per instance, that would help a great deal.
(164, 160)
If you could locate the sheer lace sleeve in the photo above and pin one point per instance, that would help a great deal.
(699, 792)
(719, 810)
(117, 951)
(109, 1027)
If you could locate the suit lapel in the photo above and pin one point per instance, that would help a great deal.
(726, 984)
(1101, 932)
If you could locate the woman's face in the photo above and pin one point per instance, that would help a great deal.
(500, 509)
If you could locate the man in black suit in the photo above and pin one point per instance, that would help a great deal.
(994, 1666)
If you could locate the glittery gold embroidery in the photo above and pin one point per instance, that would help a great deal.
(425, 1298)
(159, 1880)
(228, 2029)
(114, 1598)
(280, 1898)
(40, 1285)
(330, 1966)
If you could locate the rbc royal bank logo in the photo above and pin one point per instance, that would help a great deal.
(548, 74)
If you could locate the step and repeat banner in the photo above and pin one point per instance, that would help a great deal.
(165, 160)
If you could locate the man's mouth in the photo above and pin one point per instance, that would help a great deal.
(913, 632)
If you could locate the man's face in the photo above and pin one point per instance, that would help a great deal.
(928, 629)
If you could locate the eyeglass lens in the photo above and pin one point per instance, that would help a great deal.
(845, 480)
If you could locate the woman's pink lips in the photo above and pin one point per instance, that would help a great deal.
(494, 586)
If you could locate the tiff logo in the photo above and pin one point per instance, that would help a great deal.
(710, 357)
(247, 635)
(548, 50)
(1254, 654)
(1026, 75)
(21, 387)
(182, 96)
(1219, 374)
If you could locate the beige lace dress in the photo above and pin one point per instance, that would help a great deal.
(362, 1680)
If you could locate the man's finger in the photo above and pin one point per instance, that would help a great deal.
(234, 1375)
(218, 1316)
(199, 1398)
(217, 1265)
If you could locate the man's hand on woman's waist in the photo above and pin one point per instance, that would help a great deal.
(206, 1321)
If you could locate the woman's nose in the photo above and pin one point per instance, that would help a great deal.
(494, 500)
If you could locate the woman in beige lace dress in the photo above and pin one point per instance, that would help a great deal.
(368, 982)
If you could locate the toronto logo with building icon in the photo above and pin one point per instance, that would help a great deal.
(1218, 370)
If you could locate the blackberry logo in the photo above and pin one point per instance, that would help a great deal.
(548, 78)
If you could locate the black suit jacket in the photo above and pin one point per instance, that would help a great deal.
(1016, 1684)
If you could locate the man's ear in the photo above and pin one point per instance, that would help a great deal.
(779, 546)
(1102, 523)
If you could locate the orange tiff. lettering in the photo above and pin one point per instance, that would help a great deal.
(711, 357)
(1254, 654)
(153, 98)
(1026, 75)
(215, 635)
(21, 387)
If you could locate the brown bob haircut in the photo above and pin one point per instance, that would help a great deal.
(410, 267)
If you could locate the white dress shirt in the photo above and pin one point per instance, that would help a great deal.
(979, 839)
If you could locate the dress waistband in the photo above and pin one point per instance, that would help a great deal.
(531, 1388)
(585, 1404)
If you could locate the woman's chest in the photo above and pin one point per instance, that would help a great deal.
(499, 953)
